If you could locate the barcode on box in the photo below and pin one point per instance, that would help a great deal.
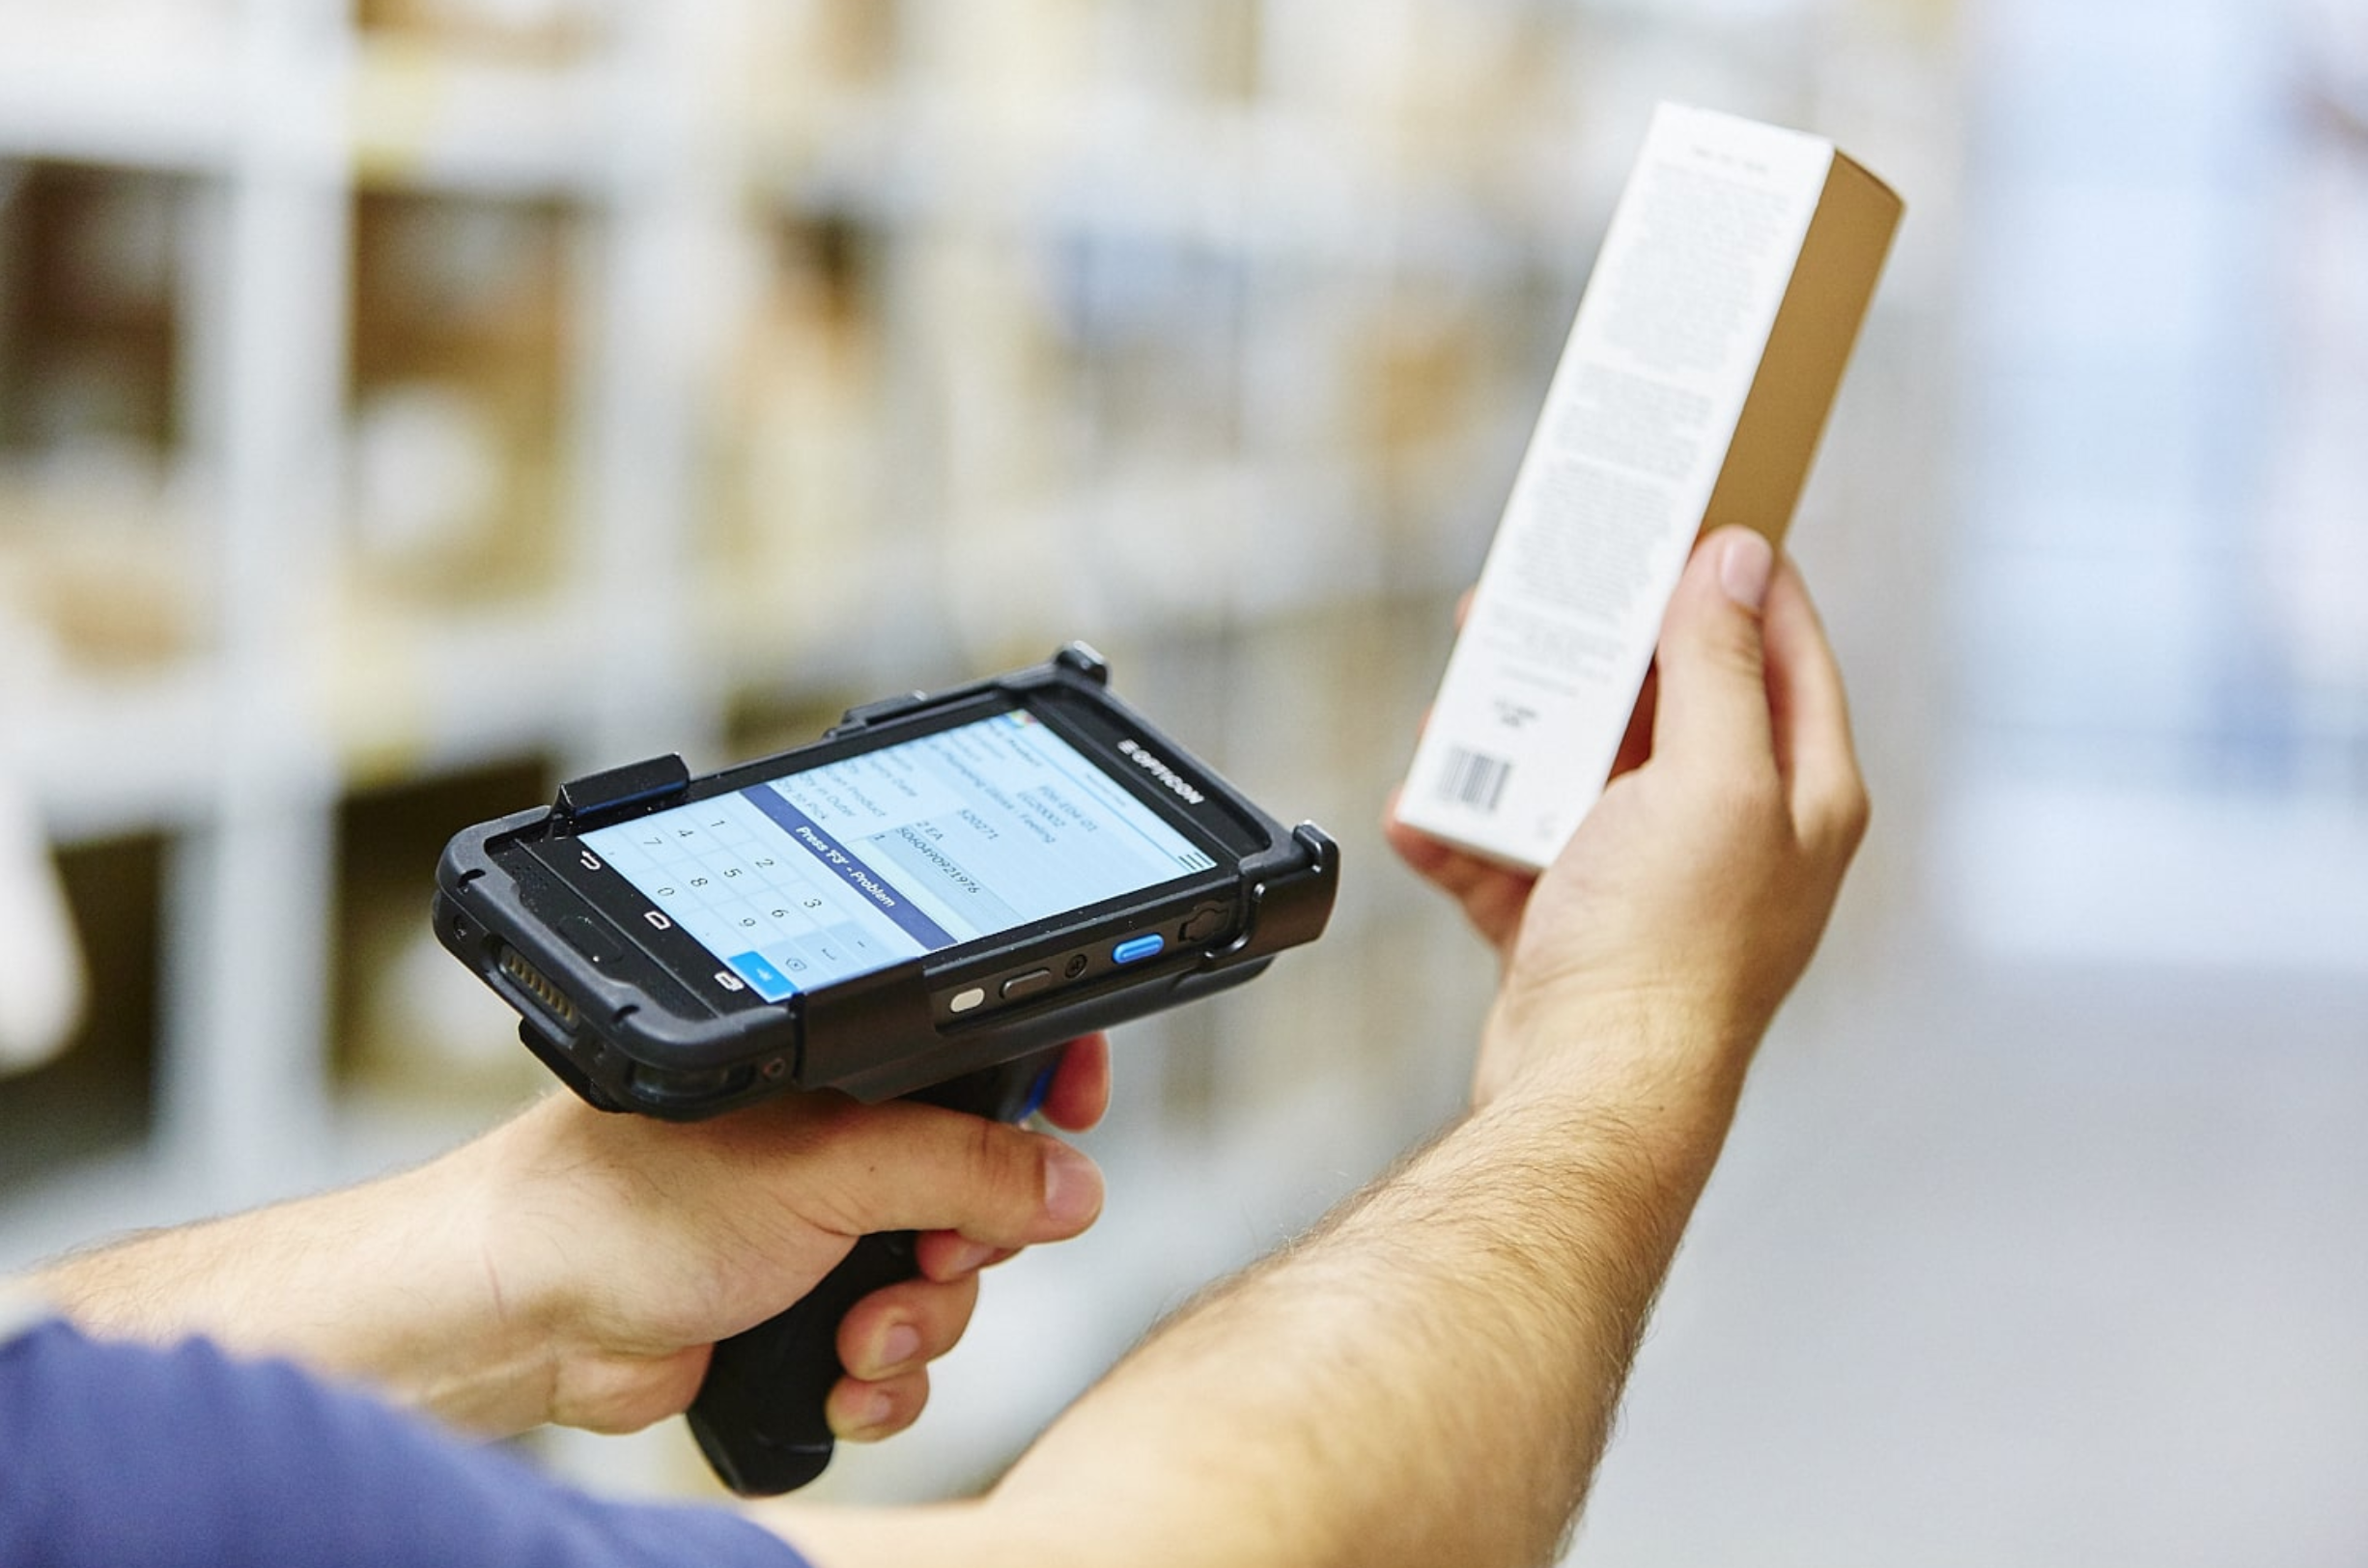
(1475, 781)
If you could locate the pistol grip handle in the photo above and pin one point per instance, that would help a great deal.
(760, 1414)
(759, 1417)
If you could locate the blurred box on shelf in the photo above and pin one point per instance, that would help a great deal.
(1200, 54)
(460, 398)
(994, 83)
(103, 569)
(101, 501)
(1695, 385)
(1488, 92)
(525, 31)
(90, 264)
(806, 82)
(796, 495)
(1013, 462)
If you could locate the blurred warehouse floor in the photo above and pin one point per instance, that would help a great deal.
(2020, 1270)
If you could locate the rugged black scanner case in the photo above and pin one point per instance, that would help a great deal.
(626, 1043)
(623, 1020)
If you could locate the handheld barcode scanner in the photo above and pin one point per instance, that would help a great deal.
(927, 902)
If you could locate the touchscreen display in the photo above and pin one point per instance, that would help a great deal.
(854, 865)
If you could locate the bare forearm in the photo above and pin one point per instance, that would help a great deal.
(378, 1283)
(1428, 1379)
(1431, 1381)
(574, 1267)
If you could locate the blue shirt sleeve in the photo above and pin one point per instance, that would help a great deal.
(122, 1456)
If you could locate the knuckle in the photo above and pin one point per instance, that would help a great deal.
(1858, 814)
(1736, 646)
(1007, 1164)
(841, 1146)
(912, 1397)
(944, 1308)
(1845, 817)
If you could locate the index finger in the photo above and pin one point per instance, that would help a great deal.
(1809, 715)
(1712, 699)
(1080, 1091)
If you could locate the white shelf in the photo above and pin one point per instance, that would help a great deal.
(413, 116)
(111, 756)
(425, 119)
(161, 98)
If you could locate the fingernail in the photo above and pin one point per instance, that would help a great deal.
(1744, 569)
(878, 1407)
(1072, 1185)
(899, 1345)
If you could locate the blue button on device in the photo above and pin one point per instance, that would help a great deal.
(1135, 949)
(770, 983)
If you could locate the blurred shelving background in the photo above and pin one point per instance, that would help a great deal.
(403, 402)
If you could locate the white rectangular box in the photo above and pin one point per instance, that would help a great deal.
(1713, 333)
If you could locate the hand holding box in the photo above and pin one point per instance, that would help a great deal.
(1706, 352)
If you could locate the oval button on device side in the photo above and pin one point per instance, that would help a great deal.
(1135, 949)
(1023, 984)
